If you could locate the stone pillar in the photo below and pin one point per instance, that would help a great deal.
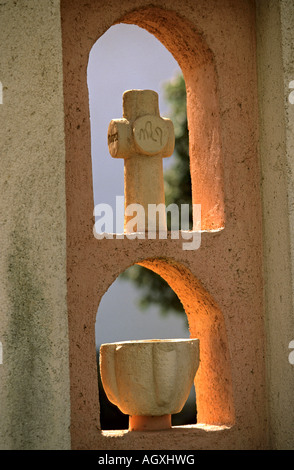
(275, 39)
(34, 375)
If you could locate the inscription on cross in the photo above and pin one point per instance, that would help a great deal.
(142, 138)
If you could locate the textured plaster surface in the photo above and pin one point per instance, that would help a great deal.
(275, 41)
(220, 285)
(34, 390)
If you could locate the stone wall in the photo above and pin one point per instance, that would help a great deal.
(237, 289)
(275, 39)
(220, 284)
(34, 376)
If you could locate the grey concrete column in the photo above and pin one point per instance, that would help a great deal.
(34, 375)
(275, 40)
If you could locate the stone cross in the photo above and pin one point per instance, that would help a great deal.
(142, 138)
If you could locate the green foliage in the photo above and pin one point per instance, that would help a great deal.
(154, 289)
(177, 178)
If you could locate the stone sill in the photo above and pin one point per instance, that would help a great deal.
(194, 427)
(189, 437)
(161, 235)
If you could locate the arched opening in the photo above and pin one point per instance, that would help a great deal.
(155, 69)
(121, 317)
(213, 384)
(107, 79)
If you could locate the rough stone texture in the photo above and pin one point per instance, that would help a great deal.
(221, 284)
(34, 378)
(275, 22)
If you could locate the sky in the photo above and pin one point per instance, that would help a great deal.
(125, 57)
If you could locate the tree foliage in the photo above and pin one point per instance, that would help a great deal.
(153, 289)
(177, 178)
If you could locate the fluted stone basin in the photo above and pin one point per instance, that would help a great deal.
(149, 379)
